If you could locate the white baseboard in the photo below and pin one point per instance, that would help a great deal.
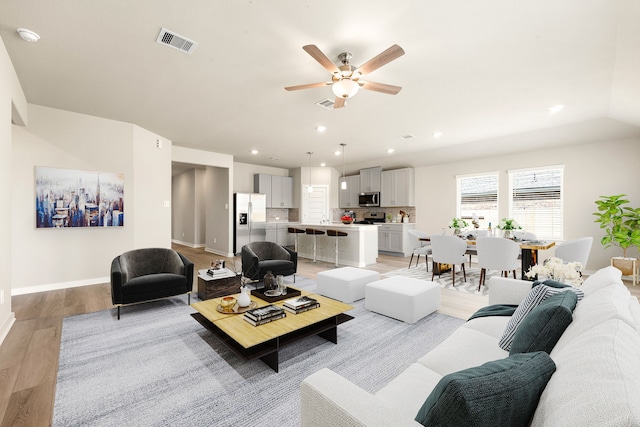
(219, 252)
(61, 285)
(191, 245)
(6, 326)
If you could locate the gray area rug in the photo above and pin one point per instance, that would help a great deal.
(470, 286)
(159, 367)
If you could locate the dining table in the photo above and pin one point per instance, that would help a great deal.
(529, 251)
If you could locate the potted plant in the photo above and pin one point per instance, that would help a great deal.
(457, 224)
(621, 225)
(508, 225)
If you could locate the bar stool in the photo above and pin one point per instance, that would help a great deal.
(337, 234)
(314, 232)
(295, 231)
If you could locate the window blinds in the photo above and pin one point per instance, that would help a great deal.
(536, 201)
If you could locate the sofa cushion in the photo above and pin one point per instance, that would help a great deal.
(597, 380)
(464, 348)
(499, 393)
(600, 279)
(408, 391)
(541, 329)
(607, 303)
(534, 297)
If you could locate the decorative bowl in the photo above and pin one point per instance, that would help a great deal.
(227, 303)
(347, 221)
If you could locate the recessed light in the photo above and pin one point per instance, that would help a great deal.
(337, 153)
(555, 109)
(321, 128)
(28, 35)
(437, 134)
(323, 164)
(254, 151)
(390, 150)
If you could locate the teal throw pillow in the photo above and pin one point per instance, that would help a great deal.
(541, 329)
(503, 392)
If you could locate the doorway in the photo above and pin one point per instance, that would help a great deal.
(315, 204)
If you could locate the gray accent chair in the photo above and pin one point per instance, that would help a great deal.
(151, 273)
(260, 257)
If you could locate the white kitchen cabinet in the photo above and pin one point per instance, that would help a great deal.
(349, 197)
(271, 233)
(370, 179)
(395, 239)
(262, 184)
(397, 187)
(279, 189)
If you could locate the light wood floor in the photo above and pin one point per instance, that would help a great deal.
(29, 354)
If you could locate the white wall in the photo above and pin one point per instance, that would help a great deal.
(13, 106)
(243, 175)
(591, 170)
(183, 200)
(55, 258)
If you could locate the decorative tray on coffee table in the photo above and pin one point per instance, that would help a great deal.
(237, 309)
(264, 294)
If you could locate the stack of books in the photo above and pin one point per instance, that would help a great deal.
(300, 304)
(260, 316)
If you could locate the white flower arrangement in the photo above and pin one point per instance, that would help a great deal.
(509, 224)
(458, 223)
(555, 269)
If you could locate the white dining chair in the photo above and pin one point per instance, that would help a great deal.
(496, 253)
(575, 250)
(524, 235)
(471, 248)
(448, 250)
(424, 247)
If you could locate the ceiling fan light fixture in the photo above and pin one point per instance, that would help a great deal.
(345, 88)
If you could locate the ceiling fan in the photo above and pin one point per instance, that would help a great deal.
(345, 79)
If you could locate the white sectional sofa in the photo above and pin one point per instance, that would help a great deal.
(596, 382)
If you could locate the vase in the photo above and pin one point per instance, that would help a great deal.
(243, 299)
(456, 231)
(508, 234)
(269, 281)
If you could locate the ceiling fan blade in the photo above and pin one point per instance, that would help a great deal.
(394, 52)
(381, 87)
(307, 86)
(322, 59)
(339, 102)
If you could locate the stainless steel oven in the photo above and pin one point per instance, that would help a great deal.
(369, 199)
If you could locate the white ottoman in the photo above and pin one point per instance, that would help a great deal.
(345, 284)
(403, 298)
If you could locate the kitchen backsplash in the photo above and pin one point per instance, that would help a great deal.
(361, 213)
(283, 215)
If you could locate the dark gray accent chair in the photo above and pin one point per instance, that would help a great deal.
(260, 257)
(150, 273)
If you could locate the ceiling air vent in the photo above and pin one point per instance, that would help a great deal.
(176, 41)
(326, 103)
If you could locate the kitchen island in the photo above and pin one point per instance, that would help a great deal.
(358, 249)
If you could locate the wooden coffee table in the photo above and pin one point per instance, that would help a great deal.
(265, 341)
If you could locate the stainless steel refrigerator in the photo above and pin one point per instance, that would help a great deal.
(250, 219)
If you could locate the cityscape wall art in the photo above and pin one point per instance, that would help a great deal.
(67, 198)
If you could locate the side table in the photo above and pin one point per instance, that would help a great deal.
(218, 285)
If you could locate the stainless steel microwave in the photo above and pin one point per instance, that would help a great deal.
(369, 199)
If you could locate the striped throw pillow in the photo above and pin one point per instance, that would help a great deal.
(535, 296)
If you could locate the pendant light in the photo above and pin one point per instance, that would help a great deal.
(343, 185)
(310, 187)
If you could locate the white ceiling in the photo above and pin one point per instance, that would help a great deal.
(482, 72)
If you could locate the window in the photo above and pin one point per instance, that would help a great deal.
(478, 195)
(536, 200)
